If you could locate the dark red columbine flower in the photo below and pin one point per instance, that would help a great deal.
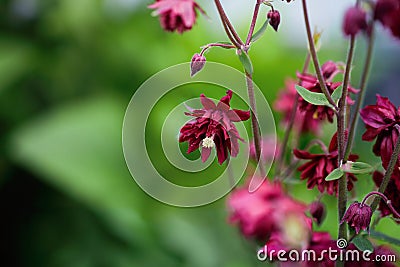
(213, 126)
(304, 120)
(176, 15)
(392, 192)
(318, 211)
(388, 13)
(320, 165)
(274, 19)
(381, 120)
(268, 211)
(355, 20)
(358, 215)
(310, 82)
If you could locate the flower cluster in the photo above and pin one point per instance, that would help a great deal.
(268, 212)
(309, 81)
(320, 165)
(213, 126)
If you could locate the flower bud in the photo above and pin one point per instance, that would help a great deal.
(274, 19)
(358, 215)
(355, 20)
(197, 63)
(318, 211)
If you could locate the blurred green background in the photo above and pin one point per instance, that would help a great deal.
(68, 69)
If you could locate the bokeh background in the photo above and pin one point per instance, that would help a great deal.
(68, 69)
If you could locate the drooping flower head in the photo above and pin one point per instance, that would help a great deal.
(269, 211)
(381, 120)
(176, 15)
(318, 166)
(304, 120)
(213, 127)
(388, 13)
(310, 82)
(358, 215)
(392, 192)
(355, 20)
(318, 211)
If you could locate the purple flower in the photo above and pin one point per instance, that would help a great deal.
(320, 165)
(179, 15)
(274, 19)
(268, 153)
(304, 121)
(318, 211)
(213, 127)
(358, 215)
(355, 20)
(381, 120)
(388, 13)
(268, 211)
(310, 82)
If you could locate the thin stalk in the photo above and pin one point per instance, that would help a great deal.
(361, 94)
(384, 198)
(341, 125)
(206, 47)
(228, 25)
(389, 171)
(254, 122)
(314, 57)
(253, 22)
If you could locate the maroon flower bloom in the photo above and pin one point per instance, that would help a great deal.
(179, 15)
(318, 211)
(310, 82)
(381, 120)
(266, 211)
(213, 126)
(358, 215)
(320, 165)
(392, 192)
(304, 120)
(388, 13)
(274, 19)
(355, 20)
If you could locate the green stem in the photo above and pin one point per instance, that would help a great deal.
(314, 57)
(362, 93)
(254, 123)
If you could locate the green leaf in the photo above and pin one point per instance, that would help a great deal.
(362, 243)
(260, 32)
(357, 167)
(386, 238)
(246, 62)
(318, 99)
(334, 175)
(337, 94)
